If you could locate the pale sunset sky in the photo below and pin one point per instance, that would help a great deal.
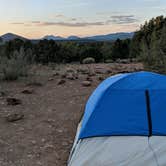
(37, 18)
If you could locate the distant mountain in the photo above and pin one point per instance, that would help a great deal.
(112, 37)
(109, 37)
(73, 38)
(10, 36)
(52, 37)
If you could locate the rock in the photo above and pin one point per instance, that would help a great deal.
(65, 144)
(71, 76)
(14, 117)
(59, 130)
(89, 78)
(28, 91)
(55, 74)
(101, 78)
(63, 75)
(61, 81)
(86, 83)
(83, 71)
(69, 70)
(43, 140)
(34, 142)
(51, 79)
(13, 101)
(108, 71)
(91, 74)
(100, 72)
(48, 147)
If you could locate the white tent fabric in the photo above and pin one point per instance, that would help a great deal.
(119, 151)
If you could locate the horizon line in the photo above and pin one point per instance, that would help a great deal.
(84, 36)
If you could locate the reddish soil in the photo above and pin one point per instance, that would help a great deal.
(51, 113)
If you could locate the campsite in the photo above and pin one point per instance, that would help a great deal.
(82, 83)
(44, 136)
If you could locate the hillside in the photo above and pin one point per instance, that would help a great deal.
(10, 36)
(112, 37)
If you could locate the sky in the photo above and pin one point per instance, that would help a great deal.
(37, 18)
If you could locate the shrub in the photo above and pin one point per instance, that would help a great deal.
(88, 60)
(109, 61)
(14, 67)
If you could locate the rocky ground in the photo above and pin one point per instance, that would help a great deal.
(39, 114)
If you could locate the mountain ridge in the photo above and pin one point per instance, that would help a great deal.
(11, 36)
(107, 37)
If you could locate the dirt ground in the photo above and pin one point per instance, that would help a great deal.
(44, 136)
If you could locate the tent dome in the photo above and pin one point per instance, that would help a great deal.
(131, 104)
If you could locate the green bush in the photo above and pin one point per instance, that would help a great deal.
(14, 67)
(88, 60)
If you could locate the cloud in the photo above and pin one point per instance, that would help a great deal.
(73, 19)
(60, 16)
(70, 24)
(123, 19)
(18, 23)
(35, 22)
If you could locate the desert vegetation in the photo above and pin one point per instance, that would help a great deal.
(148, 45)
(44, 86)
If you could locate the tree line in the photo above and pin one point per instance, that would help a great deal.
(148, 45)
(46, 51)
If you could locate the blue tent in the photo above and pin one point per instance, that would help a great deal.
(131, 104)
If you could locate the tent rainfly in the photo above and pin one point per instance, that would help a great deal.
(124, 123)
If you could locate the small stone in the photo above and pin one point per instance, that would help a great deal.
(70, 76)
(91, 74)
(59, 131)
(63, 75)
(100, 72)
(61, 81)
(86, 83)
(48, 147)
(83, 71)
(13, 101)
(108, 71)
(27, 91)
(69, 70)
(39, 163)
(51, 79)
(14, 117)
(10, 150)
(43, 140)
(21, 129)
(30, 156)
(55, 74)
(33, 142)
(64, 144)
(101, 78)
(89, 78)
